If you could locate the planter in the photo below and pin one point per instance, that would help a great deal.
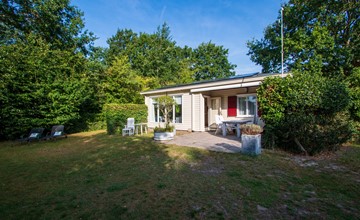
(251, 144)
(164, 136)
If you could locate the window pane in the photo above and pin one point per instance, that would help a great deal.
(178, 100)
(242, 106)
(251, 109)
(178, 113)
(155, 113)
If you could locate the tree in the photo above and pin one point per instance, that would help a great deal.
(122, 84)
(318, 36)
(210, 62)
(151, 55)
(320, 33)
(42, 87)
(122, 43)
(56, 22)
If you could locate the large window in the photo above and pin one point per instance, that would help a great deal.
(175, 114)
(246, 105)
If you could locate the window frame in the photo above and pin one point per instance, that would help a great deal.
(247, 105)
(157, 113)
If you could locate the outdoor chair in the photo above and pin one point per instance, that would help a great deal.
(57, 131)
(129, 127)
(35, 134)
(229, 127)
(218, 123)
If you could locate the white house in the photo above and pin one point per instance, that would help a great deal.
(199, 102)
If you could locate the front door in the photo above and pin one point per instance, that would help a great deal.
(215, 109)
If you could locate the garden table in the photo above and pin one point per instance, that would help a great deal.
(142, 126)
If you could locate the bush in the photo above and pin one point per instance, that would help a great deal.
(117, 114)
(304, 112)
(168, 128)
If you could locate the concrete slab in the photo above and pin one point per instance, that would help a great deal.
(208, 141)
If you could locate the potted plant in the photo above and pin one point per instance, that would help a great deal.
(168, 132)
(251, 139)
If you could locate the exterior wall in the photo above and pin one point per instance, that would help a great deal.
(193, 111)
(224, 94)
(198, 112)
(186, 111)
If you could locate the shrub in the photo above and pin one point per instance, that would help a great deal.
(304, 112)
(250, 129)
(168, 128)
(117, 114)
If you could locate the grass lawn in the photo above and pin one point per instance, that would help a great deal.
(95, 176)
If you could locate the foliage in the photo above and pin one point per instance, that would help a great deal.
(150, 55)
(157, 56)
(305, 111)
(42, 87)
(167, 128)
(353, 82)
(251, 129)
(117, 114)
(56, 22)
(320, 33)
(121, 84)
(210, 62)
(166, 104)
(319, 36)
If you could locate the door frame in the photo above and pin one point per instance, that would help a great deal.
(211, 115)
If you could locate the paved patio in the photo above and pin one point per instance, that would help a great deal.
(208, 141)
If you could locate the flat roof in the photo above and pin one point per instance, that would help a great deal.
(215, 83)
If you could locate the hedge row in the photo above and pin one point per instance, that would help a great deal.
(117, 114)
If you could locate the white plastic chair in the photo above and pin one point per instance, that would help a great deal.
(129, 127)
(218, 122)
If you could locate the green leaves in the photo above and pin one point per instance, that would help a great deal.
(318, 35)
(121, 84)
(210, 62)
(117, 114)
(157, 56)
(41, 87)
(305, 108)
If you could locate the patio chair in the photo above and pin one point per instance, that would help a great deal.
(229, 127)
(35, 134)
(218, 122)
(129, 127)
(57, 131)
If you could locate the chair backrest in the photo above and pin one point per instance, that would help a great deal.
(218, 119)
(36, 132)
(57, 130)
(130, 123)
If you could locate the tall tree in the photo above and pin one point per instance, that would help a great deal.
(122, 84)
(57, 22)
(151, 55)
(323, 33)
(210, 62)
(42, 67)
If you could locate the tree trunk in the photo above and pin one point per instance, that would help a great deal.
(300, 146)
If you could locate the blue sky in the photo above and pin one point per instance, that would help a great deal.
(230, 23)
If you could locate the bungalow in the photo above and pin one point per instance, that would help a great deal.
(197, 103)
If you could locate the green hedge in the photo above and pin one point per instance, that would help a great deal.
(117, 114)
(305, 112)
